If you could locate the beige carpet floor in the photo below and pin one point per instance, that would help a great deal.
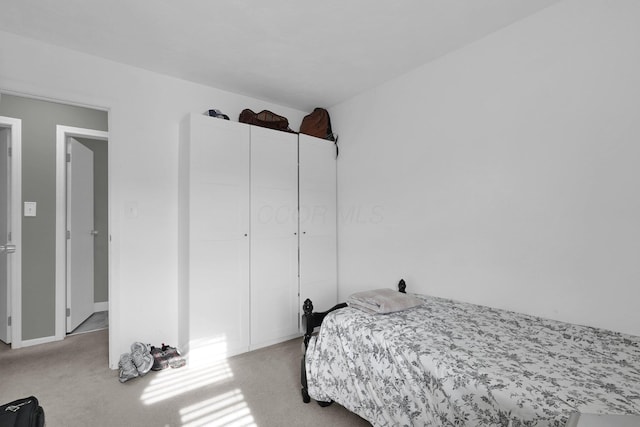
(76, 388)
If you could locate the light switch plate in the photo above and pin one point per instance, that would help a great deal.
(30, 208)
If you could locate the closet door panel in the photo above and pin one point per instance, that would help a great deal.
(225, 212)
(216, 265)
(219, 236)
(318, 222)
(274, 239)
(274, 293)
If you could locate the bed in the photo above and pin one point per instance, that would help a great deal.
(449, 363)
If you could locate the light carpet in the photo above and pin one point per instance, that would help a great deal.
(76, 388)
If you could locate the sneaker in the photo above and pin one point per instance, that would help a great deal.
(138, 346)
(141, 357)
(127, 368)
(159, 360)
(166, 357)
(172, 355)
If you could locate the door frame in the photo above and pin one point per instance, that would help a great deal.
(15, 263)
(62, 134)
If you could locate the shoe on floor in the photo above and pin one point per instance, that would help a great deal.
(127, 368)
(159, 360)
(142, 359)
(173, 356)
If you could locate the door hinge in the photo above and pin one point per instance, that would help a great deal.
(68, 157)
(68, 312)
(9, 236)
(9, 321)
(9, 152)
(68, 234)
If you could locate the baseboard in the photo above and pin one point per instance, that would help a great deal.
(100, 306)
(36, 341)
(268, 343)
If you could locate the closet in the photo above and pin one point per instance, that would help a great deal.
(257, 233)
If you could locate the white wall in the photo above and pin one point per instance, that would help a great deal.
(506, 173)
(144, 111)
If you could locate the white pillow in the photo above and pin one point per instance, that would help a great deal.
(382, 301)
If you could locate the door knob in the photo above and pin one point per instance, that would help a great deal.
(94, 232)
(7, 249)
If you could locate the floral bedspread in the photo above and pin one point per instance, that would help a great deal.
(447, 363)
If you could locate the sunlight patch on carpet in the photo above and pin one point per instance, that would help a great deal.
(227, 409)
(207, 365)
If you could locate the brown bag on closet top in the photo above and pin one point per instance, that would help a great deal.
(318, 124)
(265, 119)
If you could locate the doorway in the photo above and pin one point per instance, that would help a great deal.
(10, 230)
(78, 232)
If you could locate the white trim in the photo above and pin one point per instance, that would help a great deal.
(100, 306)
(29, 95)
(62, 133)
(15, 126)
(274, 341)
(36, 341)
(70, 131)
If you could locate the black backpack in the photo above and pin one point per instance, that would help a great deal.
(25, 412)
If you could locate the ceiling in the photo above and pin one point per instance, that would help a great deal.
(297, 53)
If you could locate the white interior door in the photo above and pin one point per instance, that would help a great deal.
(274, 236)
(5, 192)
(80, 234)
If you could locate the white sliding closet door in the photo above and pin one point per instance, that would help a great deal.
(274, 239)
(218, 232)
(318, 217)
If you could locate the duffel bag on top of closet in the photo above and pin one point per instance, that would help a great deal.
(318, 124)
(265, 119)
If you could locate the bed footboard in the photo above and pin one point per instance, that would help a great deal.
(310, 321)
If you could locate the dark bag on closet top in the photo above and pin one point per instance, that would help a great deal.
(25, 412)
(318, 124)
(265, 119)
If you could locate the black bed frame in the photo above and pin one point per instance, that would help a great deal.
(310, 321)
